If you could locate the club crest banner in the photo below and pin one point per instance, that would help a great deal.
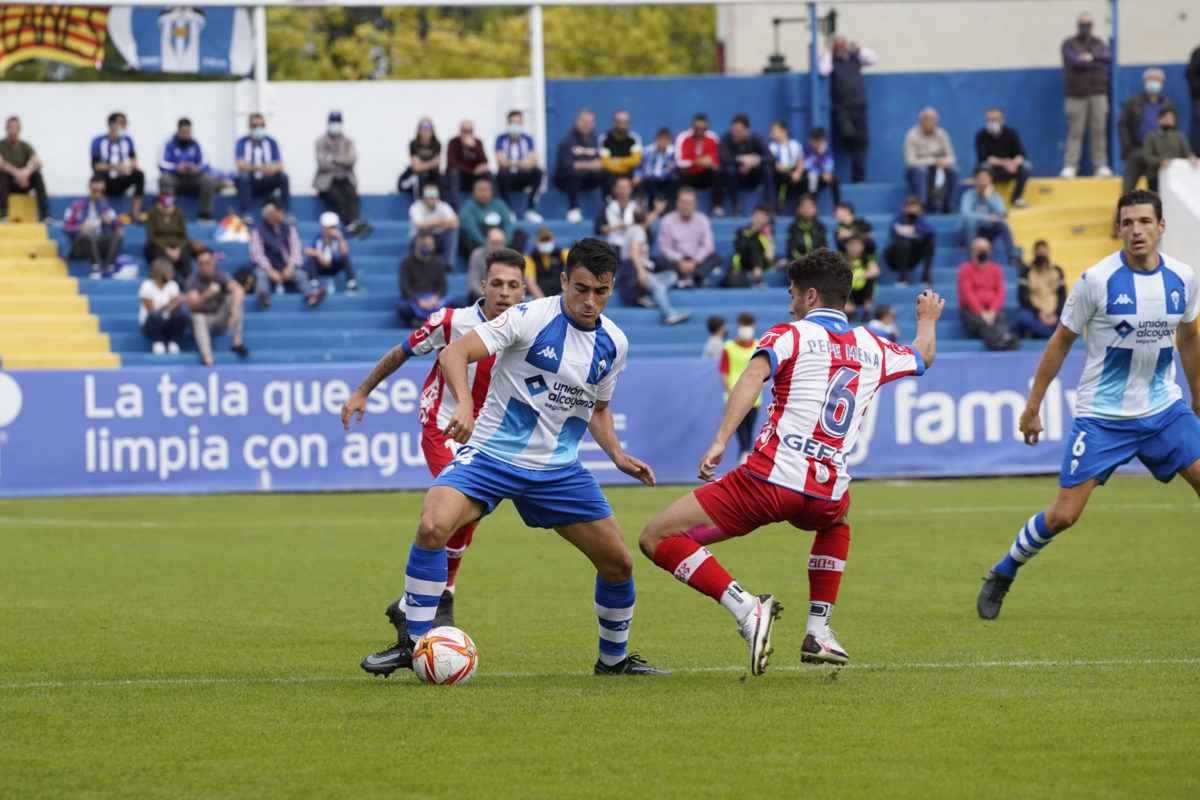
(184, 39)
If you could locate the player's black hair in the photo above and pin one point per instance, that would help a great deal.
(595, 255)
(827, 272)
(505, 256)
(744, 119)
(715, 323)
(1139, 197)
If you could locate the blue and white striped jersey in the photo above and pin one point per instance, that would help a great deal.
(1129, 318)
(106, 151)
(515, 150)
(549, 374)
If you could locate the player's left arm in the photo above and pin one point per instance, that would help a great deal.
(742, 397)
(466, 349)
(1187, 343)
(605, 433)
(357, 402)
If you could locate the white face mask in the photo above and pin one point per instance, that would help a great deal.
(993, 127)
(335, 128)
(745, 332)
(514, 130)
(545, 247)
(259, 132)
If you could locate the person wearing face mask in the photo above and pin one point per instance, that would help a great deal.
(1041, 294)
(1139, 118)
(981, 299)
(544, 265)
(1085, 73)
(435, 215)
(517, 166)
(1165, 145)
(999, 148)
(422, 282)
(182, 170)
(734, 360)
(911, 241)
(260, 170)
(167, 236)
(114, 161)
(482, 212)
(335, 181)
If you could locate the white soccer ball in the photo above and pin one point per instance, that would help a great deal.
(445, 655)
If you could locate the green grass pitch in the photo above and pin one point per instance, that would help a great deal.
(209, 647)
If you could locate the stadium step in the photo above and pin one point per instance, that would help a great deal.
(1072, 191)
(32, 267)
(10, 285)
(39, 344)
(60, 360)
(22, 231)
(49, 325)
(28, 248)
(22, 208)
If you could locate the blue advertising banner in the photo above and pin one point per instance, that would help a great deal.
(184, 39)
(277, 428)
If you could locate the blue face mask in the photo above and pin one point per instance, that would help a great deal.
(514, 131)
(259, 132)
(1153, 87)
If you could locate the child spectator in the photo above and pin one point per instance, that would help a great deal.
(818, 166)
(862, 287)
(806, 233)
(734, 360)
(753, 250)
(883, 324)
(636, 283)
(789, 163)
(714, 345)
(848, 225)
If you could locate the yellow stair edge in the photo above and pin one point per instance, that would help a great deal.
(43, 305)
(31, 249)
(31, 231)
(49, 325)
(34, 268)
(61, 361)
(62, 344)
(21, 285)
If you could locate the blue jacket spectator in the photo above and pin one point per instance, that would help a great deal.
(93, 227)
(259, 167)
(183, 171)
(983, 212)
(114, 160)
(578, 167)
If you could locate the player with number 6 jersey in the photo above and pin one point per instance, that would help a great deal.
(825, 374)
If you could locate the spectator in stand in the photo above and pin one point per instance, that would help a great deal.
(93, 228)
(659, 178)
(422, 282)
(182, 170)
(860, 302)
(217, 303)
(621, 152)
(929, 163)
(806, 233)
(848, 224)
(1041, 294)
(615, 219)
(1163, 146)
(20, 171)
(167, 236)
(1139, 118)
(335, 180)
(1085, 72)
(480, 213)
(328, 254)
(745, 162)
(466, 161)
(114, 160)
(277, 257)
(159, 317)
(434, 215)
(983, 213)
(544, 265)
(517, 166)
(637, 283)
(425, 161)
(999, 147)
(981, 299)
(883, 324)
(578, 167)
(477, 262)
(685, 240)
(843, 64)
(1192, 73)
(734, 360)
(788, 158)
(753, 250)
(911, 242)
(714, 345)
(260, 170)
(818, 166)
(698, 161)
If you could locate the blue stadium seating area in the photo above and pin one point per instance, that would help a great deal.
(361, 328)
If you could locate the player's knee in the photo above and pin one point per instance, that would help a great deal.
(1059, 519)
(432, 534)
(617, 568)
(650, 539)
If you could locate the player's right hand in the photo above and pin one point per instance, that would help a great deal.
(929, 306)
(710, 462)
(1030, 425)
(356, 403)
(462, 423)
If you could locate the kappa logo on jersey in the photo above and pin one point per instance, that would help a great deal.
(1123, 300)
(524, 309)
(548, 352)
(536, 385)
(1124, 328)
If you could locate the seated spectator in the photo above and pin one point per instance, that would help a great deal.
(1163, 146)
(217, 303)
(621, 152)
(734, 359)
(753, 250)
(818, 166)
(517, 166)
(981, 299)
(466, 161)
(615, 219)
(714, 345)
(806, 233)
(114, 160)
(698, 161)
(658, 169)
(983, 213)
(578, 167)
(911, 241)
(848, 224)
(277, 258)
(425, 162)
(637, 283)
(260, 171)
(1139, 118)
(999, 148)
(788, 158)
(182, 170)
(422, 282)
(883, 324)
(544, 265)
(1041, 294)
(159, 315)
(335, 180)
(167, 236)
(685, 240)
(434, 215)
(477, 262)
(480, 213)
(20, 171)
(860, 303)
(328, 254)
(929, 163)
(745, 162)
(92, 227)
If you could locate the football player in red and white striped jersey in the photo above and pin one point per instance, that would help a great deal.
(825, 375)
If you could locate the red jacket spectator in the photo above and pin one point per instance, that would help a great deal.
(688, 148)
(980, 287)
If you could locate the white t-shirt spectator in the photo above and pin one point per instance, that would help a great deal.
(159, 297)
(635, 240)
(419, 213)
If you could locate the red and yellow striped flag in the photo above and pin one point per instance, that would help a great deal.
(70, 34)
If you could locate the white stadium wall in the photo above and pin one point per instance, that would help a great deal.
(1179, 185)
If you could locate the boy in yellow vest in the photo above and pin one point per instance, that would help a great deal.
(738, 352)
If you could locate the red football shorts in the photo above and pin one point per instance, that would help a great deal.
(739, 502)
(438, 449)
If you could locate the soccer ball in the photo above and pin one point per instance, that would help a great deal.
(445, 655)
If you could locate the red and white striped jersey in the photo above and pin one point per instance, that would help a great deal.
(825, 373)
(443, 327)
